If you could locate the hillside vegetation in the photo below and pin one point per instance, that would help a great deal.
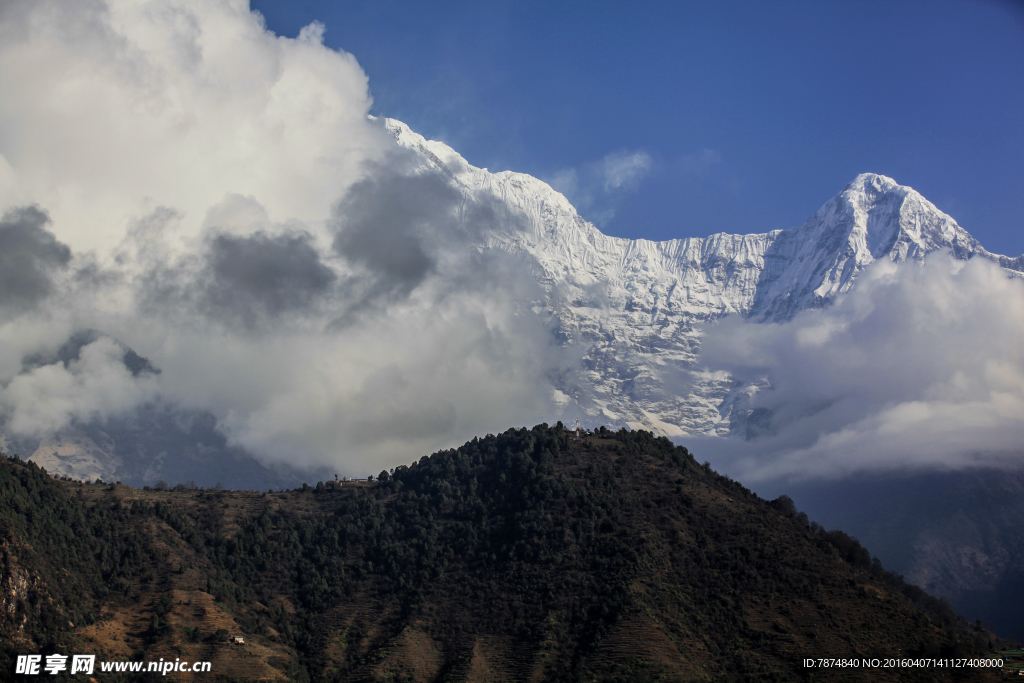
(526, 556)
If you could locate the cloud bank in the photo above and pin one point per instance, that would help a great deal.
(108, 105)
(918, 367)
(214, 196)
(29, 255)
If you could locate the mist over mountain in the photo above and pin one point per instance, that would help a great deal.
(637, 312)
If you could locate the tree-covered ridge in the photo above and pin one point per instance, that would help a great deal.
(80, 551)
(528, 552)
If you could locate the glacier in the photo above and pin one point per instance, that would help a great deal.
(635, 309)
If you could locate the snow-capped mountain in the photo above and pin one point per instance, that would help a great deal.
(634, 307)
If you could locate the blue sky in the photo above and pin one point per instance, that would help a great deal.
(751, 114)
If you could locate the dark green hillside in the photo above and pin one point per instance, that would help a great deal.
(525, 556)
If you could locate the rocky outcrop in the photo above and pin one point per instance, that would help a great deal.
(22, 593)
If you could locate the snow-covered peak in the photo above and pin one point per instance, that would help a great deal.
(435, 154)
(871, 184)
(897, 221)
(518, 189)
(635, 307)
(874, 217)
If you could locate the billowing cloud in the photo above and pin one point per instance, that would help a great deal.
(29, 255)
(219, 202)
(390, 224)
(918, 367)
(222, 204)
(110, 108)
(97, 384)
(258, 276)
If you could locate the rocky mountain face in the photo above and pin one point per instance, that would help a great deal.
(634, 307)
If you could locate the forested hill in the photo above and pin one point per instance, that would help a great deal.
(526, 556)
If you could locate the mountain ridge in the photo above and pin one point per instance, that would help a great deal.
(530, 555)
(636, 306)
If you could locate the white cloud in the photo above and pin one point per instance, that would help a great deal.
(625, 170)
(919, 367)
(108, 106)
(234, 216)
(596, 187)
(96, 385)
